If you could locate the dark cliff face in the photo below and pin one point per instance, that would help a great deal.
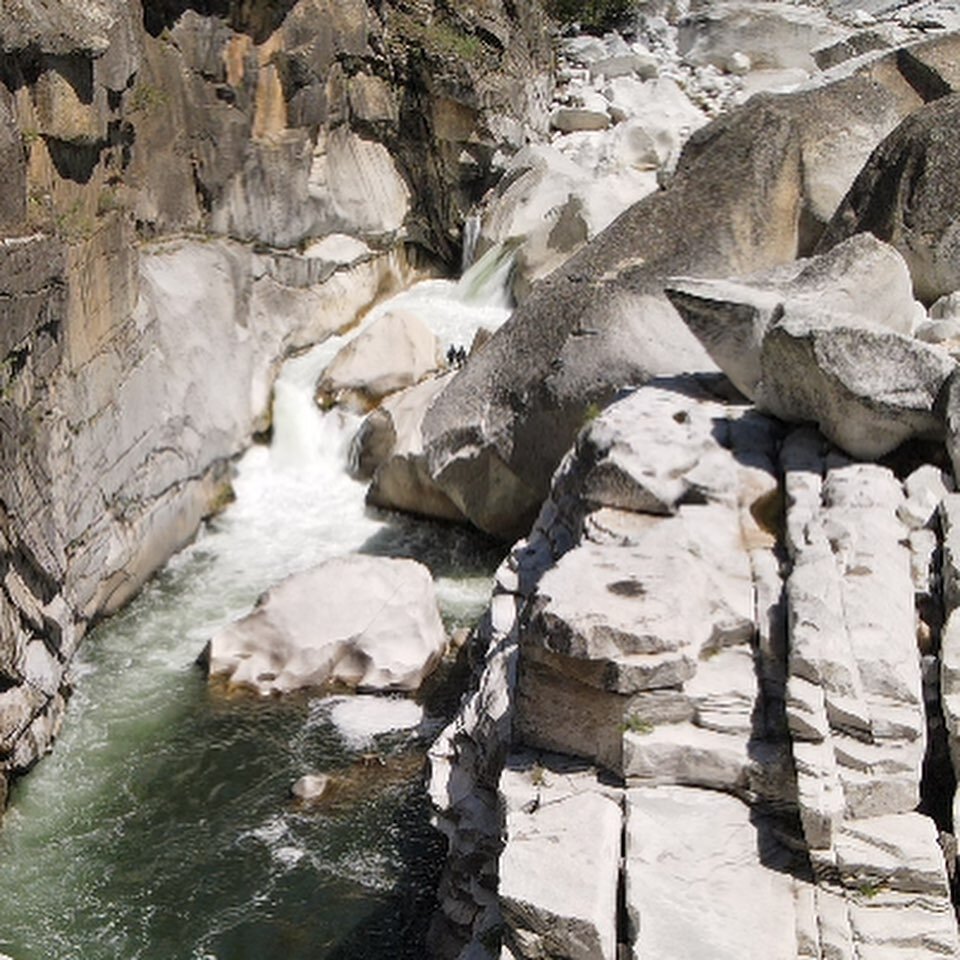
(265, 123)
(163, 111)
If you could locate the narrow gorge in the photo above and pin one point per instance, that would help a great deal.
(597, 603)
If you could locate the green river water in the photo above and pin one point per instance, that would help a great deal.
(161, 826)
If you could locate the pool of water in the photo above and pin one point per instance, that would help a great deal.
(162, 825)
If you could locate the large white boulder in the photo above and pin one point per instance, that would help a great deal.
(629, 63)
(573, 118)
(861, 280)
(310, 787)
(772, 35)
(868, 389)
(390, 442)
(365, 622)
(584, 49)
(397, 350)
(552, 199)
(357, 186)
(658, 448)
(907, 194)
(657, 107)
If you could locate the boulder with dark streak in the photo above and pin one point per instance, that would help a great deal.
(751, 191)
(908, 195)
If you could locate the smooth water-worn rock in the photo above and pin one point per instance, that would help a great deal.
(770, 34)
(123, 123)
(357, 185)
(752, 189)
(397, 350)
(401, 479)
(366, 622)
(310, 787)
(867, 389)
(660, 109)
(590, 117)
(547, 204)
(861, 279)
(600, 323)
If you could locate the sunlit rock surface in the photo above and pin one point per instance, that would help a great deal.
(365, 622)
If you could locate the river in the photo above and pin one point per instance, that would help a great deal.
(161, 826)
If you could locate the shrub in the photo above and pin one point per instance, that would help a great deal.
(592, 15)
(636, 724)
(146, 98)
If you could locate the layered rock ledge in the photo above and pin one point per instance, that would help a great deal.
(722, 630)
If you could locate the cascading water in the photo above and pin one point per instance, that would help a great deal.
(471, 234)
(161, 828)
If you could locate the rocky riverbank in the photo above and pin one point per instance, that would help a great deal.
(721, 421)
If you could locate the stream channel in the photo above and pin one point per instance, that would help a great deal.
(161, 826)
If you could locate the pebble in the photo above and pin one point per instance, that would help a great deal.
(310, 787)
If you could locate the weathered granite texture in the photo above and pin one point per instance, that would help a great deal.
(712, 639)
(751, 192)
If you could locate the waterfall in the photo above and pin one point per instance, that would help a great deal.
(471, 234)
(487, 282)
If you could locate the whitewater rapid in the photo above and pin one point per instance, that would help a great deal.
(161, 828)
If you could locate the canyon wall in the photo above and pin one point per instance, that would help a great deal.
(194, 190)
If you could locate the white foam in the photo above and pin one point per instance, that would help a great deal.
(359, 719)
(366, 868)
(288, 856)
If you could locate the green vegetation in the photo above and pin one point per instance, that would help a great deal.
(146, 98)
(75, 223)
(38, 209)
(592, 15)
(440, 38)
(446, 39)
(222, 498)
(637, 724)
(591, 412)
(108, 200)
